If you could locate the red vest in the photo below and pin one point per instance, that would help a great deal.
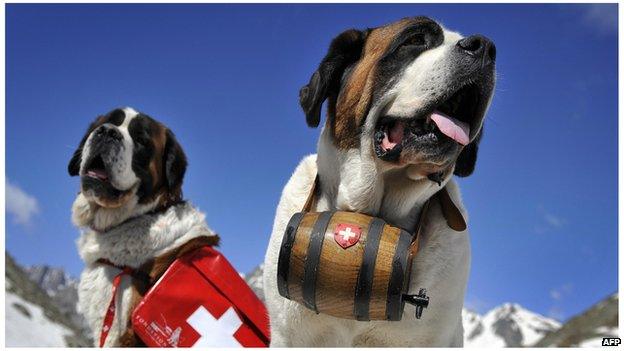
(201, 301)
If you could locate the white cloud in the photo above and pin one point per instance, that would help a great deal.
(602, 17)
(21, 205)
(548, 221)
(553, 220)
(557, 294)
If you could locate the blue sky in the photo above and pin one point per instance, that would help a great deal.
(225, 78)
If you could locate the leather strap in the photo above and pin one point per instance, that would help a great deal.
(454, 218)
(311, 195)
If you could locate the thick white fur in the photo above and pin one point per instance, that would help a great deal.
(130, 244)
(356, 180)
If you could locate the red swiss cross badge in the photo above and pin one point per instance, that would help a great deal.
(347, 235)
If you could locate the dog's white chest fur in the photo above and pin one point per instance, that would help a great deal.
(130, 244)
(441, 266)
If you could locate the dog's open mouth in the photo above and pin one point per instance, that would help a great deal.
(97, 185)
(450, 120)
(96, 169)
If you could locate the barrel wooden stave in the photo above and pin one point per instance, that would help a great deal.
(298, 256)
(383, 270)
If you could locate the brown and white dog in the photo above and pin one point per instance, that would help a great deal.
(405, 109)
(132, 214)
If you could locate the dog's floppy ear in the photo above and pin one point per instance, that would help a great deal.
(74, 164)
(174, 161)
(344, 50)
(465, 164)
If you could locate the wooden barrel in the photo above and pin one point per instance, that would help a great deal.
(345, 264)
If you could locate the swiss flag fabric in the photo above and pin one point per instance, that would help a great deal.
(201, 301)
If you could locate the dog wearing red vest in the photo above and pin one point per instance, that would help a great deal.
(132, 216)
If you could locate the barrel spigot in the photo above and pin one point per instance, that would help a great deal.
(420, 301)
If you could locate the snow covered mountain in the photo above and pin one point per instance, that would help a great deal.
(509, 325)
(63, 290)
(588, 328)
(33, 317)
(255, 282)
(50, 279)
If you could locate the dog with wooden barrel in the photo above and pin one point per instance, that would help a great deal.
(406, 104)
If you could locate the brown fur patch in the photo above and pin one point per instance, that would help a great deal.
(156, 166)
(157, 171)
(354, 100)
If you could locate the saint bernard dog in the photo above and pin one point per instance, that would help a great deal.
(405, 109)
(132, 215)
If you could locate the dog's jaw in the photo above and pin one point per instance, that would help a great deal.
(88, 214)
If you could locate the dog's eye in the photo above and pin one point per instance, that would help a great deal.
(416, 40)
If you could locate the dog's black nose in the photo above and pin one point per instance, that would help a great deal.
(109, 132)
(479, 47)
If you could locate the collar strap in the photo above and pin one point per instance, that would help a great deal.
(133, 272)
(453, 216)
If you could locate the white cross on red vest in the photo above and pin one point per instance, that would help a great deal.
(215, 332)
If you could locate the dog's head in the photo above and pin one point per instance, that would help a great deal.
(409, 94)
(128, 164)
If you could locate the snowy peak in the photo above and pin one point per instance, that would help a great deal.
(34, 318)
(255, 281)
(473, 325)
(588, 328)
(509, 325)
(50, 279)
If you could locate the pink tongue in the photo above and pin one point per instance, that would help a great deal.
(97, 173)
(393, 136)
(451, 127)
